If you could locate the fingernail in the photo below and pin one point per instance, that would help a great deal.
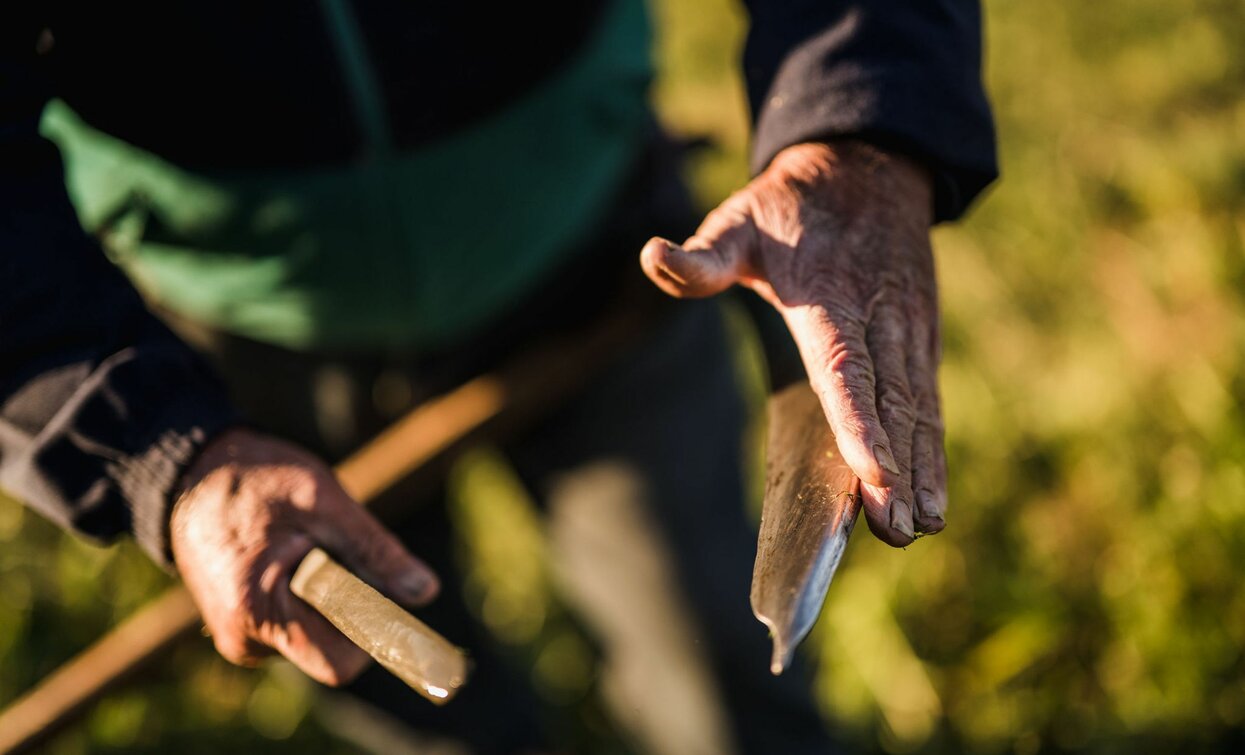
(885, 460)
(672, 275)
(929, 512)
(415, 585)
(901, 518)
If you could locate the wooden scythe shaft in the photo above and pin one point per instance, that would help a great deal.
(418, 445)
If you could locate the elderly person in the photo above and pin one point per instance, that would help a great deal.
(341, 208)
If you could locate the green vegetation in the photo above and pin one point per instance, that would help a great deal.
(1086, 594)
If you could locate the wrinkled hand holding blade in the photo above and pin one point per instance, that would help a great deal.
(812, 500)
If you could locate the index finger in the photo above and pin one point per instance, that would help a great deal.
(841, 372)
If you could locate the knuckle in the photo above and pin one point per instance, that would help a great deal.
(892, 286)
(304, 486)
(723, 216)
(271, 634)
(851, 411)
(734, 209)
(896, 402)
(848, 365)
(895, 410)
(894, 389)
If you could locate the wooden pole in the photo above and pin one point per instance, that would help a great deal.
(500, 402)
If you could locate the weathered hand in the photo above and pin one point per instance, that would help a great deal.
(836, 237)
(253, 506)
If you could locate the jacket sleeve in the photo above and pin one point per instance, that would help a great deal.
(101, 407)
(904, 74)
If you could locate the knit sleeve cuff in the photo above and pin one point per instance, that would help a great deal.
(149, 479)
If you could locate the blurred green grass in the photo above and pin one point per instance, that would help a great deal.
(1086, 594)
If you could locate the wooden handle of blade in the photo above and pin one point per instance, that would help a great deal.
(403, 644)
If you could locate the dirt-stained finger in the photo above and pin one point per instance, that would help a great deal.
(889, 510)
(929, 476)
(929, 462)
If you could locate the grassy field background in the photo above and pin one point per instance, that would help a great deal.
(1086, 594)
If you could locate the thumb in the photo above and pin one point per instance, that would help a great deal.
(717, 257)
(372, 552)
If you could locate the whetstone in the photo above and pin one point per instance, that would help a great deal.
(403, 644)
